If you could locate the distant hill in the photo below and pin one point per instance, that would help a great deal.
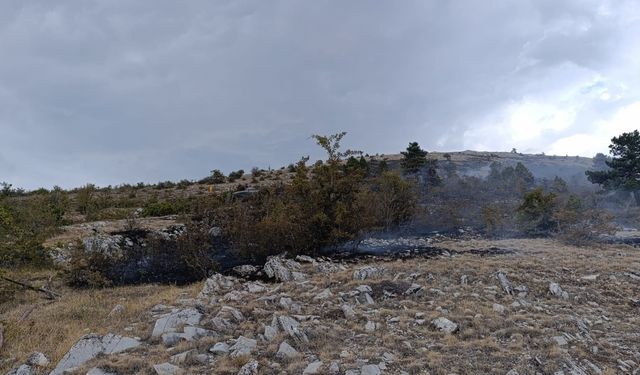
(476, 163)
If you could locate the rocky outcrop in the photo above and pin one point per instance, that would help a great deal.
(91, 346)
(281, 269)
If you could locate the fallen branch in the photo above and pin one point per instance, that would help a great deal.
(1, 336)
(49, 293)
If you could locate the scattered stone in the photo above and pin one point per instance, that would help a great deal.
(90, 346)
(22, 370)
(370, 370)
(348, 311)
(512, 372)
(270, 332)
(245, 270)
(560, 340)
(220, 348)
(172, 321)
(498, 308)
(370, 326)
(216, 284)
(251, 368)
(413, 289)
(444, 325)
(243, 347)
(323, 295)
(286, 351)
(181, 358)
(504, 282)
(334, 368)
(255, 287)
(291, 328)
(313, 368)
(367, 273)
(590, 277)
(37, 359)
(282, 269)
(305, 259)
(557, 291)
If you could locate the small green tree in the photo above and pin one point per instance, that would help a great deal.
(217, 177)
(536, 212)
(413, 158)
(624, 172)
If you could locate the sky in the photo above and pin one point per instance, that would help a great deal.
(117, 91)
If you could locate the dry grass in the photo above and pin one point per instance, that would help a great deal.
(487, 341)
(52, 327)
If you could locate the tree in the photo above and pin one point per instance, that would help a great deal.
(413, 158)
(536, 212)
(624, 172)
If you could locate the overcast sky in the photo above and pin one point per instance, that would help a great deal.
(125, 91)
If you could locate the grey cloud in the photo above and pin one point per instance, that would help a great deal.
(113, 92)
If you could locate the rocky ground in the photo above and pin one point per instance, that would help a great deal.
(538, 307)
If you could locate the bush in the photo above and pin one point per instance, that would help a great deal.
(233, 176)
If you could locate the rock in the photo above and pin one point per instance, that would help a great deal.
(364, 289)
(286, 351)
(367, 272)
(388, 357)
(181, 358)
(370, 326)
(348, 311)
(171, 338)
(243, 346)
(251, 368)
(590, 277)
(557, 291)
(220, 348)
(227, 318)
(254, 287)
(233, 296)
(334, 368)
(504, 282)
(323, 295)
(22, 370)
(270, 332)
(245, 270)
(512, 372)
(370, 370)
(305, 259)
(444, 325)
(169, 323)
(560, 340)
(90, 346)
(291, 328)
(215, 284)
(464, 279)
(282, 269)
(313, 368)
(37, 359)
(413, 289)
(498, 308)
(167, 369)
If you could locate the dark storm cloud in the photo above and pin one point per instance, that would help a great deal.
(110, 92)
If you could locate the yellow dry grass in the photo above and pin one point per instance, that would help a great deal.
(35, 324)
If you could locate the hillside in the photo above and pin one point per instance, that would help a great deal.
(512, 306)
